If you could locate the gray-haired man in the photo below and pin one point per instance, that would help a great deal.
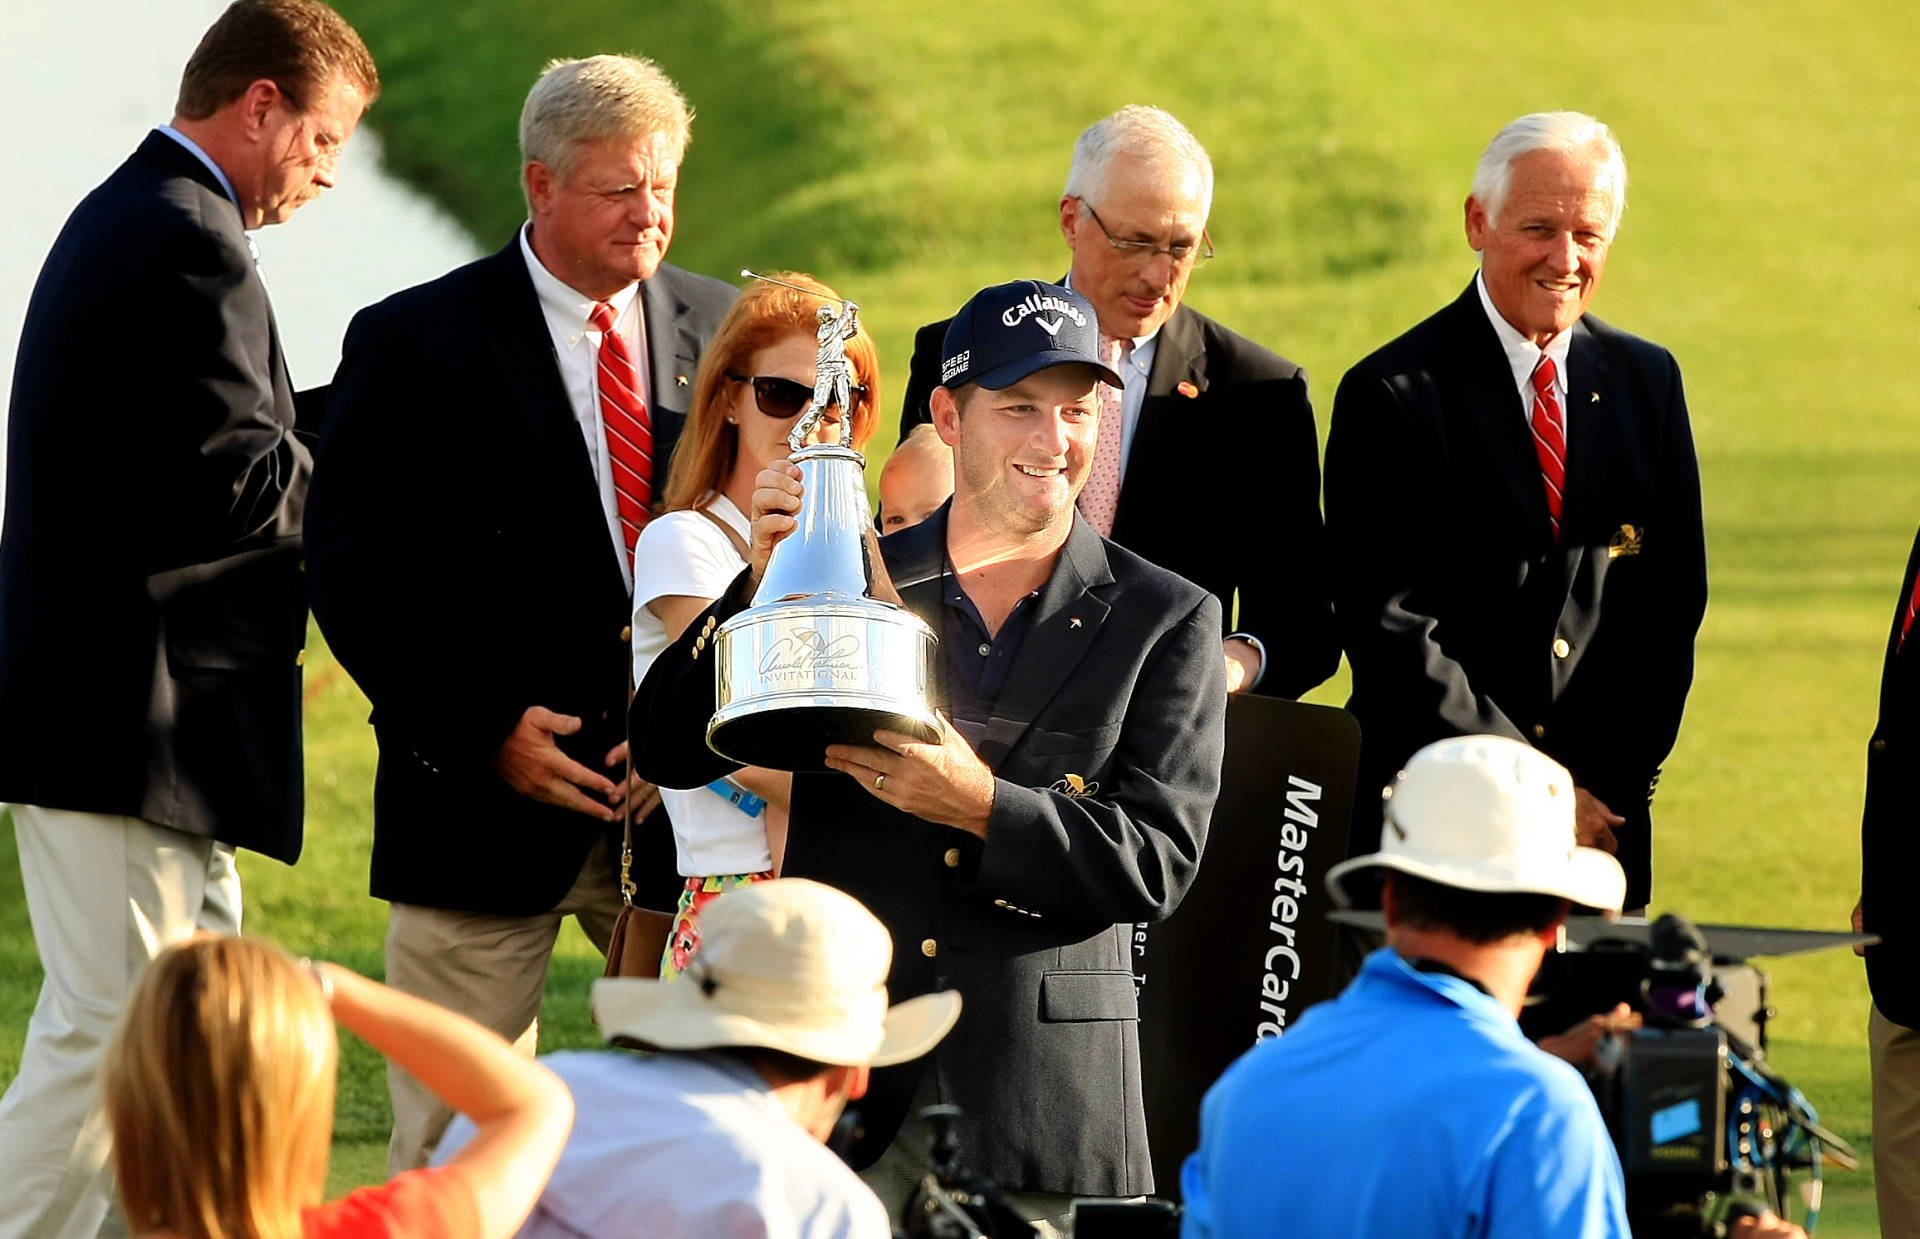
(1134, 214)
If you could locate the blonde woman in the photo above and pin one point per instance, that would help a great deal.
(755, 379)
(219, 1093)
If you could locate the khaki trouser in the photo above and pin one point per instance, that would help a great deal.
(492, 969)
(105, 895)
(1896, 1125)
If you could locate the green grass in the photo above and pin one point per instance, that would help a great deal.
(910, 154)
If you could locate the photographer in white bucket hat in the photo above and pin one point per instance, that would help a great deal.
(1411, 1105)
(750, 1058)
(1310, 1133)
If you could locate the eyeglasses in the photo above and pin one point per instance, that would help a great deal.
(783, 398)
(1143, 252)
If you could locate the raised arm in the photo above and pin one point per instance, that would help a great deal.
(521, 1110)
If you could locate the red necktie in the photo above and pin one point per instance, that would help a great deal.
(1906, 621)
(1550, 438)
(1100, 497)
(623, 410)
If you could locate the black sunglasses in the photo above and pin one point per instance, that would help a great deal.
(783, 398)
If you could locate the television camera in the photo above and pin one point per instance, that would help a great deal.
(1705, 1129)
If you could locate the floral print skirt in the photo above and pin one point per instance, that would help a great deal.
(684, 941)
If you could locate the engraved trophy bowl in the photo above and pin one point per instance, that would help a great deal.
(817, 660)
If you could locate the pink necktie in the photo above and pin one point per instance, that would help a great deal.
(1100, 498)
(1550, 438)
(623, 410)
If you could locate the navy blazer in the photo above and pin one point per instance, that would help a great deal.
(1890, 824)
(1459, 613)
(1218, 408)
(151, 604)
(1119, 681)
(463, 571)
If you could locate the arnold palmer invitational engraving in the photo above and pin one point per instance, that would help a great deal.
(808, 655)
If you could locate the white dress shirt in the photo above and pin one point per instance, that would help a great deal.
(576, 346)
(682, 554)
(1523, 355)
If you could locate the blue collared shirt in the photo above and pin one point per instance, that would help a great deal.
(1410, 1106)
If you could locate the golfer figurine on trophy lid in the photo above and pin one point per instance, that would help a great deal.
(818, 659)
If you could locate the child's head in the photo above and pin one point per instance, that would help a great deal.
(917, 479)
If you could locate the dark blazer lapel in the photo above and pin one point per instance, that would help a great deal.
(522, 347)
(171, 158)
(1487, 386)
(1066, 619)
(673, 352)
(1900, 672)
(1179, 356)
(178, 160)
(916, 559)
(1591, 422)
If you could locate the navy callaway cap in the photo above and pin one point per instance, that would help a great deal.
(1012, 330)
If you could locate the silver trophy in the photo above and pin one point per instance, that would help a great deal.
(818, 659)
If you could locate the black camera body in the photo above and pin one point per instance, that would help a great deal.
(953, 1203)
(1668, 1112)
(1702, 1126)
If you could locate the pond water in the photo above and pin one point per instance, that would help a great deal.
(82, 83)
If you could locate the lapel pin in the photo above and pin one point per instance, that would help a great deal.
(1187, 389)
(1595, 398)
(680, 380)
(1073, 621)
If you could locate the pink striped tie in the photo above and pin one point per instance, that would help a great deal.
(1550, 438)
(623, 410)
(1100, 497)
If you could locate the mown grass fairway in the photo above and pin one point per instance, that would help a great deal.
(910, 154)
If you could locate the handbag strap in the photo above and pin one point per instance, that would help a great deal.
(627, 888)
(738, 543)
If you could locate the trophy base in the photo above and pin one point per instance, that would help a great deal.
(794, 736)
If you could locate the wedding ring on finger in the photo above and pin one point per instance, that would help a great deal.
(879, 782)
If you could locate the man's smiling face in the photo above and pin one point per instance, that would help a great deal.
(1021, 454)
(1543, 255)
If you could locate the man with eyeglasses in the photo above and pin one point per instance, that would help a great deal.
(1201, 403)
(496, 438)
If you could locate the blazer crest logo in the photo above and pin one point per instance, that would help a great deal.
(1625, 541)
(1074, 787)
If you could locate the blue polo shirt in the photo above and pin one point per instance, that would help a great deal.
(1409, 1106)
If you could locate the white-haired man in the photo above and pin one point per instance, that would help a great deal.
(752, 1055)
(1513, 504)
(495, 440)
(1412, 1105)
(1198, 400)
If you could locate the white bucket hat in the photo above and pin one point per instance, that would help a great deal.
(788, 965)
(1484, 813)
